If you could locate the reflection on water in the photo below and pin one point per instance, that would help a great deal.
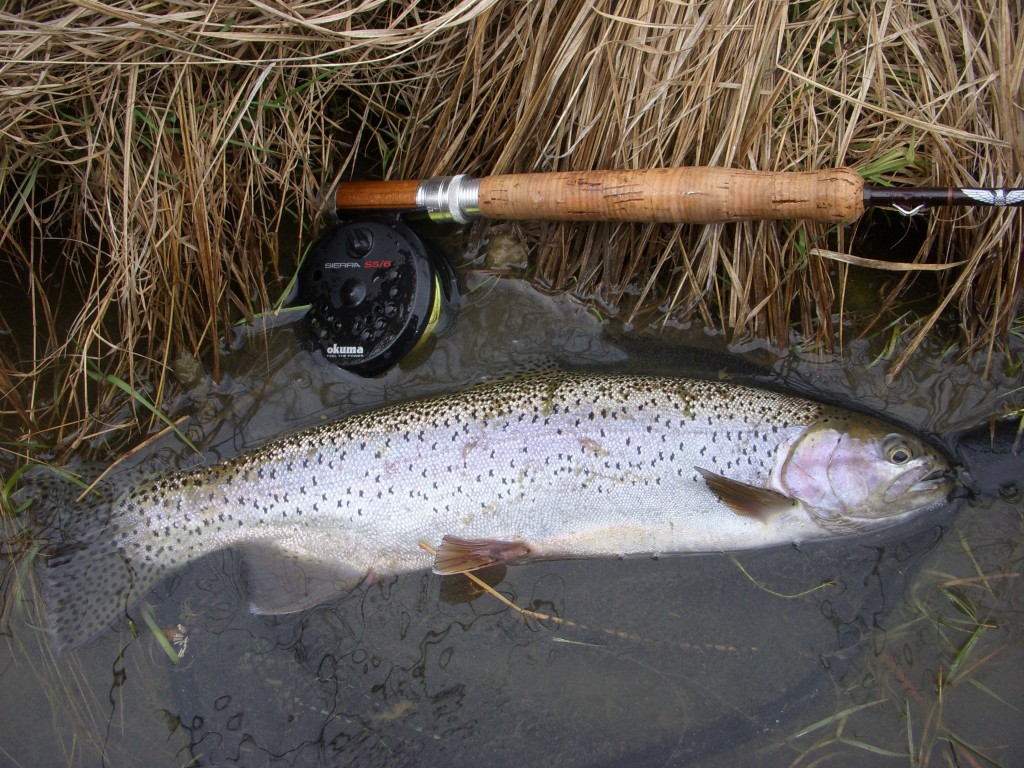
(390, 676)
(838, 652)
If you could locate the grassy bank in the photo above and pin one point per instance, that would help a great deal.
(151, 153)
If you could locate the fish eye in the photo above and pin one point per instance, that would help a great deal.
(897, 450)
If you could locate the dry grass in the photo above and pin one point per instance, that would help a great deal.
(760, 85)
(149, 154)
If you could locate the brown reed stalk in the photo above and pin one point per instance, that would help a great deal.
(149, 158)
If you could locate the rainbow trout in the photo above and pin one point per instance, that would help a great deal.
(549, 466)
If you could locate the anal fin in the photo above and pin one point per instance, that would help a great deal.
(284, 582)
(457, 555)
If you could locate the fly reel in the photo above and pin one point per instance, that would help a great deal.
(374, 292)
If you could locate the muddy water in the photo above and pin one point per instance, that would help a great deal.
(902, 646)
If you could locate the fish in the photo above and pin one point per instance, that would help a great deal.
(547, 466)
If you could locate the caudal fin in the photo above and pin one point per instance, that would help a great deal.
(91, 570)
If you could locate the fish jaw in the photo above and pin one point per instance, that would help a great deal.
(923, 481)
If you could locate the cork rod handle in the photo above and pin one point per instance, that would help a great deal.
(678, 195)
(683, 195)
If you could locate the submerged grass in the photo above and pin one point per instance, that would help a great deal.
(770, 591)
(952, 652)
(149, 159)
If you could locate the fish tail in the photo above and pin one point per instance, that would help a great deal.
(93, 570)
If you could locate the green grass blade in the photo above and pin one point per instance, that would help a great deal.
(141, 399)
(158, 633)
(836, 717)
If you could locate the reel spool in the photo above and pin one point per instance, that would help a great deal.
(375, 291)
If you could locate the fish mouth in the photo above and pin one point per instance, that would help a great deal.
(934, 480)
(922, 481)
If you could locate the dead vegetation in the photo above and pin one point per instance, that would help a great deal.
(151, 153)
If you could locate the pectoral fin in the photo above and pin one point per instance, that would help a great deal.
(457, 555)
(746, 500)
(283, 582)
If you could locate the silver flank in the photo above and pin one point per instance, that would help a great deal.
(450, 198)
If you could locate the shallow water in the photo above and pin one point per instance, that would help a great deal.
(847, 653)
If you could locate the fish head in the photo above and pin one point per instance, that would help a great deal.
(856, 472)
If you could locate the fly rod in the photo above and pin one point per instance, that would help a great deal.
(670, 195)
